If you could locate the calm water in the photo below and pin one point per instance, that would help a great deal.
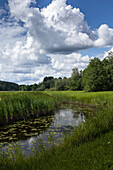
(49, 129)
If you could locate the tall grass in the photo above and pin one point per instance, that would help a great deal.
(97, 123)
(89, 147)
(17, 106)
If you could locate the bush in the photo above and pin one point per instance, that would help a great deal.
(87, 88)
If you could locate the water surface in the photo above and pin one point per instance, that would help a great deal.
(48, 128)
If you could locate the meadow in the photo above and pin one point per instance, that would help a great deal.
(89, 147)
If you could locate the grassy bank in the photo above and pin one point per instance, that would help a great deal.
(16, 106)
(95, 98)
(93, 155)
(89, 147)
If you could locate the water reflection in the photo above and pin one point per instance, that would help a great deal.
(28, 134)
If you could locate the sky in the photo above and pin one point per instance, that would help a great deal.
(41, 38)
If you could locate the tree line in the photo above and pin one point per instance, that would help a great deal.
(97, 76)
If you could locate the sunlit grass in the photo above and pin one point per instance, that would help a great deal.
(16, 106)
(90, 146)
(94, 98)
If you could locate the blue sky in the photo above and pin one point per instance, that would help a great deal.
(96, 12)
(52, 37)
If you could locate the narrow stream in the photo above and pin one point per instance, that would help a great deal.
(48, 128)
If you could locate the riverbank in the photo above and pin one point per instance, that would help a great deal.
(17, 106)
(95, 154)
(89, 147)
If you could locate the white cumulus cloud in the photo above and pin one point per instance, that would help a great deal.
(37, 43)
(105, 36)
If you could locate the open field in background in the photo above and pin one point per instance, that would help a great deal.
(95, 98)
(89, 147)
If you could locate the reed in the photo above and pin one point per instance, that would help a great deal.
(89, 147)
(18, 106)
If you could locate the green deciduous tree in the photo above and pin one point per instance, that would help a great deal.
(94, 76)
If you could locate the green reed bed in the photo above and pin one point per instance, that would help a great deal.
(97, 123)
(16, 106)
(89, 147)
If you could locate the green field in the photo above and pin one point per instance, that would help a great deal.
(89, 147)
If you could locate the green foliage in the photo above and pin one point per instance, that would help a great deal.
(52, 89)
(61, 84)
(87, 88)
(41, 87)
(89, 147)
(75, 80)
(75, 85)
(75, 74)
(23, 105)
(98, 76)
(8, 86)
(94, 76)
